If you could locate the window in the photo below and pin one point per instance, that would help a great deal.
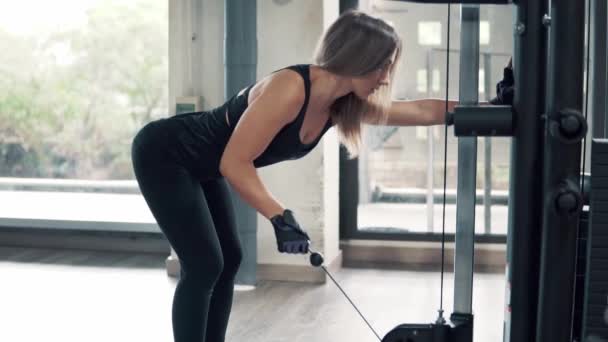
(78, 79)
(429, 33)
(421, 132)
(436, 80)
(484, 33)
(421, 81)
(407, 167)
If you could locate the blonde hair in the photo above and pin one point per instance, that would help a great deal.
(354, 45)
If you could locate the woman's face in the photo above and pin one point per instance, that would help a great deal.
(366, 85)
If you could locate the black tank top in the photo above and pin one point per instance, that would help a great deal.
(198, 139)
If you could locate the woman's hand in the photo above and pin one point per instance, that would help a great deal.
(290, 237)
(505, 89)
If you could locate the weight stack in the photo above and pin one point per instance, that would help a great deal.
(581, 273)
(595, 305)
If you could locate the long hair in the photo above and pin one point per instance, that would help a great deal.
(355, 45)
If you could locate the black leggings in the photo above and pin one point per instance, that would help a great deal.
(198, 220)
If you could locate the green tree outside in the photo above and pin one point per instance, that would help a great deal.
(72, 100)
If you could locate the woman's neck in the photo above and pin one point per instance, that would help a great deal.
(328, 86)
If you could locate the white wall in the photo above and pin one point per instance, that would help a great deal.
(196, 31)
(331, 171)
(287, 34)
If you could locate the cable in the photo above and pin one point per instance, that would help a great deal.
(440, 319)
(586, 94)
(351, 302)
(316, 260)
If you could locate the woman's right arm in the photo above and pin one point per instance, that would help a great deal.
(278, 104)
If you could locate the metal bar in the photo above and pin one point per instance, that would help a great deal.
(597, 69)
(561, 173)
(413, 195)
(349, 173)
(430, 215)
(393, 234)
(443, 50)
(487, 186)
(523, 236)
(477, 121)
(240, 60)
(467, 163)
(594, 298)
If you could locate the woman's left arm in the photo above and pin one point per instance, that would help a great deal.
(424, 112)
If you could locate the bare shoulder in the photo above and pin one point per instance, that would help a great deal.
(285, 84)
(278, 103)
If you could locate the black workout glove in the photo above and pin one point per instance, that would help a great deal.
(449, 118)
(290, 237)
(505, 88)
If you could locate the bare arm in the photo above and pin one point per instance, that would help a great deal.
(277, 105)
(424, 112)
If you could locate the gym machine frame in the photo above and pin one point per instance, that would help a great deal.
(545, 200)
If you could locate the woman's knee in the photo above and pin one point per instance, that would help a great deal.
(203, 270)
(232, 261)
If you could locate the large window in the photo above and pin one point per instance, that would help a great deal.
(401, 170)
(429, 33)
(78, 78)
(484, 32)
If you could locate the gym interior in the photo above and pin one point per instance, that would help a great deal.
(492, 229)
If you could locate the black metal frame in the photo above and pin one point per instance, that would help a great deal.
(562, 199)
(590, 300)
(523, 237)
(545, 195)
(363, 234)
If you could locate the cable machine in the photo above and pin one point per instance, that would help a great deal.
(557, 249)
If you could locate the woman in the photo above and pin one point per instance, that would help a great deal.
(184, 163)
